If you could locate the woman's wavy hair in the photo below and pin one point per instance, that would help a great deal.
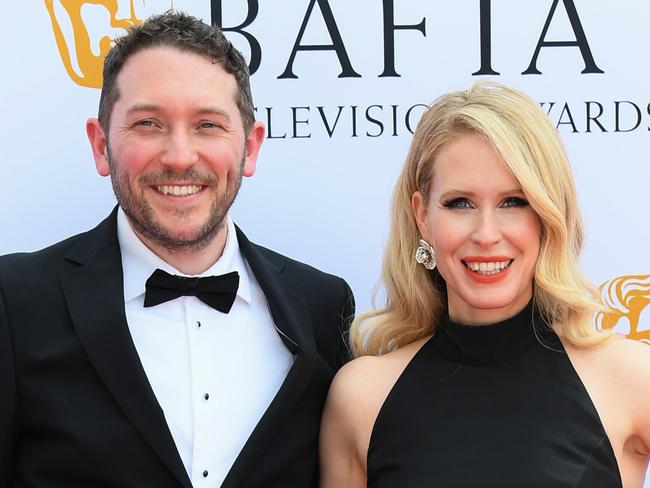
(525, 139)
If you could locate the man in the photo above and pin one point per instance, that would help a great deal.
(118, 370)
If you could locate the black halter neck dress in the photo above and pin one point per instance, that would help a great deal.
(491, 406)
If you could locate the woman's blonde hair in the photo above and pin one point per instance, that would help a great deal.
(525, 139)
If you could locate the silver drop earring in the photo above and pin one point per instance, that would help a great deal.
(425, 255)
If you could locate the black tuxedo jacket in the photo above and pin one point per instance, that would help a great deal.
(76, 409)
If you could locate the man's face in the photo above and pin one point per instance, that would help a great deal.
(176, 149)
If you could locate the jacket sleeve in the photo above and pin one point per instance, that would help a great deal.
(346, 315)
(7, 399)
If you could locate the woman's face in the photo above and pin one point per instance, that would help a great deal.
(485, 235)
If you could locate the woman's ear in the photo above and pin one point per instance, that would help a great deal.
(420, 212)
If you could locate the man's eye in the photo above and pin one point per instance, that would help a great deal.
(209, 125)
(458, 203)
(145, 123)
(515, 202)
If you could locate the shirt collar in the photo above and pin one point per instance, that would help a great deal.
(138, 261)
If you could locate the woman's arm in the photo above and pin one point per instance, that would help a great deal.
(342, 458)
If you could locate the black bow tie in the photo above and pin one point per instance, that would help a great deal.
(217, 291)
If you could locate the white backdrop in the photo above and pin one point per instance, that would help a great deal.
(322, 188)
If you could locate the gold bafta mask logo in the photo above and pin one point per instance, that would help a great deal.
(626, 297)
(74, 40)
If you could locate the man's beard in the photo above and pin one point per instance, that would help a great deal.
(142, 216)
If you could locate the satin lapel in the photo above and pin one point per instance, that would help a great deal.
(95, 297)
(292, 321)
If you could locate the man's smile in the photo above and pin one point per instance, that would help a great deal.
(179, 190)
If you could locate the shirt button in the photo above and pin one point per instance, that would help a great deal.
(206, 396)
(205, 473)
(198, 324)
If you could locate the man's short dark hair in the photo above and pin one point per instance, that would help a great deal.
(183, 32)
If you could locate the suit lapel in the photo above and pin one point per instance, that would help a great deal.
(292, 322)
(95, 297)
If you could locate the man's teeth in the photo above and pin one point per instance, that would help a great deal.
(489, 267)
(178, 190)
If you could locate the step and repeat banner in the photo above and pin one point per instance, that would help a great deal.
(340, 86)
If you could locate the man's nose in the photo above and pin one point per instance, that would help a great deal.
(180, 151)
(487, 230)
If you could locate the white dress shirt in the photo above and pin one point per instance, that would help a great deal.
(214, 374)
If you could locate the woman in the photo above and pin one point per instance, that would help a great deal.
(484, 369)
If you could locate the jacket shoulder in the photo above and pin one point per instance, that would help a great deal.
(14, 265)
(328, 298)
(293, 266)
(35, 264)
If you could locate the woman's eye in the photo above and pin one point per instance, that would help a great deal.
(515, 202)
(458, 203)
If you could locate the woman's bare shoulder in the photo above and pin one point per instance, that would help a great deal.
(361, 386)
(629, 361)
(367, 374)
(619, 357)
(622, 368)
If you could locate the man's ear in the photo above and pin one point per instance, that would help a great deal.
(99, 145)
(420, 213)
(254, 141)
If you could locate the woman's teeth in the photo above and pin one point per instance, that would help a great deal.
(488, 268)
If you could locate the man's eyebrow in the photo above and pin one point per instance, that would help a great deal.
(214, 111)
(146, 107)
(143, 107)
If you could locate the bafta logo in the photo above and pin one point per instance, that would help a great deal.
(87, 71)
(626, 297)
